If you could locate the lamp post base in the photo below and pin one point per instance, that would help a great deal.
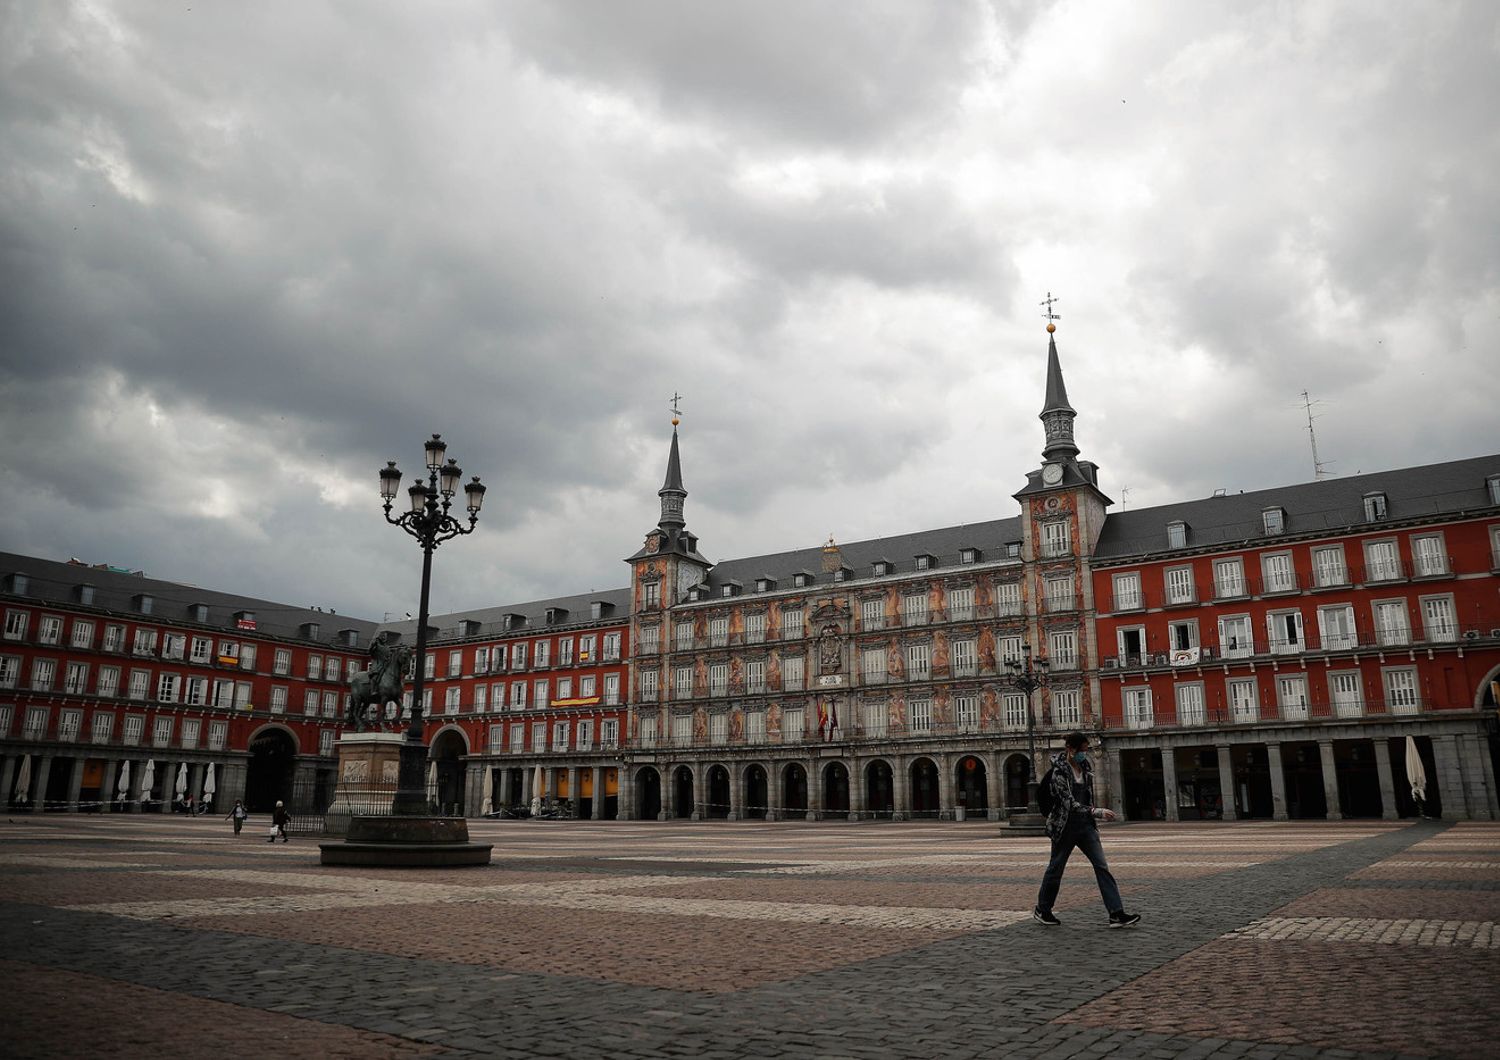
(406, 841)
(1033, 822)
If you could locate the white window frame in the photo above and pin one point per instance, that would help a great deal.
(1127, 590)
(1190, 703)
(1429, 555)
(1392, 622)
(1291, 696)
(1178, 584)
(1332, 635)
(1229, 578)
(1330, 569)
(1244, 700)
(1278, 573)
(1067, 708)
(83, 634)
(1439, 619)
(1284, 632)
(1346, 693)
(1136, 702)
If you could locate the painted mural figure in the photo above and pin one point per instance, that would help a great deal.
(737, 726)
(892, 609)
(895, 665)
(940, 654)
(897, 716)
(984, 598)
(937, 603)
(736, 676)
(700, 677)
(942, 710)
(989, 709)
(700, 726)
(986, 651)
(773, 721)
(736, 626)
(773, 672)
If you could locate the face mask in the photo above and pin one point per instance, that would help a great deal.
(1081, 758)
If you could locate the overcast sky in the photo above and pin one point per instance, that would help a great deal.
(252, 251)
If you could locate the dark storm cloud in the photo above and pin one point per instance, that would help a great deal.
(248, 254)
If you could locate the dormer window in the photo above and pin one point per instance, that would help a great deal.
(882, 567)
(1177, 534)
(244, 620)
(726, 590)
(762, 584)
(556, 615)
(1013, 550)
(19, 583)
(599, 608)
(1273, 520)
(1375, 509)
(1492, 487)
(692, 595)
(968, 555)
(85, 594)
(349, 638)
(924, 561)
(143, 603)
(309, 630)
(802, 579)
(469, 627)
(198, 612)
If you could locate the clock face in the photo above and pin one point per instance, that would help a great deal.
(653, 542)
(1052, 474)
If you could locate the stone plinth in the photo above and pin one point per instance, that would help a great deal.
(368, 764)
(1025, 824)
(406, 842)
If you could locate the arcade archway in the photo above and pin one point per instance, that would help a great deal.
(757, 791)
(272, 766)
(880, 790)
(648, 794)
(836, 789)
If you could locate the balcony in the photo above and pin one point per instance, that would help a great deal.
(1167, 717)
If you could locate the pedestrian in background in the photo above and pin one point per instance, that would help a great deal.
(1074, 822)
(238, 815)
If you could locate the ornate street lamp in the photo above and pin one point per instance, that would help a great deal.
(429, 521)
(1026, 675)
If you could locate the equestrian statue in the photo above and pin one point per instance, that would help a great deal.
(381, 684)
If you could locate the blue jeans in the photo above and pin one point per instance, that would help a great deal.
(1080, 832)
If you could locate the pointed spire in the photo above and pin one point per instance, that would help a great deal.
(672, 493)
(1057, 415)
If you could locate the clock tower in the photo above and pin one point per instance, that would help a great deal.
(668, 562)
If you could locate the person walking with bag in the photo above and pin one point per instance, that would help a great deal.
(279, 820)
(1072, 821)
(238, 815)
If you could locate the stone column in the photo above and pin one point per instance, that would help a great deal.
(700, 793)
(195, 782)
(573, 795)
(858, 796)
(75, 784)
(1479, 777)
(597, 779)
(1278, 781)
(528, 781)
(736, 790)
(7, 778)
(1117, 787)
(947, 797)
(901, 789)
(44, 769)
(231, 784)
(107, 787)
(1226, 783)
(1169, 782)
(1387, 779)
(168, 773)
(502, 793)
(994, 784)
(474, 802)
(1449, 777)
(1330, 780)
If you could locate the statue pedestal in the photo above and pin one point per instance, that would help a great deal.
(368, 766)
(1025, 824)
(369, 771)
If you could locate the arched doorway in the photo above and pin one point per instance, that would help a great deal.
(1015, 782)
(794, 789)
(836, 789)
(648, 794)
(924, 788)
(972, 786)
(880, 790)
(446, 754)
(273, 762)
(756, 792)
(718, 793)
(682, 802)
(1302, 769)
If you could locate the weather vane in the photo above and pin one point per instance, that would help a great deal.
(676, 412)
(1050, 316)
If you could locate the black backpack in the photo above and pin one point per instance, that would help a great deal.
(1046, 798)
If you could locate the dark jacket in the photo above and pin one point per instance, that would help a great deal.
(1063, 803)
(280, 818)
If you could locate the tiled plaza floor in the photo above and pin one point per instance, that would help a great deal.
(132, 936)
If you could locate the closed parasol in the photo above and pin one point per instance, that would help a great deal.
(1416, 775)
(148, 778)
(23, 779)
(122, 787)
(489, 792)
(181, 785)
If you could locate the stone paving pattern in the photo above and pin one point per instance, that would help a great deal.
(127, 937)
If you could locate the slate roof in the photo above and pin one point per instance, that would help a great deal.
(492, 621)
(54, 582)
(900, 550)
(1334, 505)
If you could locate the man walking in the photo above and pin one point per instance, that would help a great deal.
(1073, 822)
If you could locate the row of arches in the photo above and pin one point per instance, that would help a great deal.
(781, 790)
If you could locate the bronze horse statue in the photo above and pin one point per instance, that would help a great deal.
(382, 683)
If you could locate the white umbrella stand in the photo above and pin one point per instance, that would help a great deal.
(23, 780)
(537, 791)
(122, 786)
(210, 786)
(488, 805)
(1416, 775)
(148, 777)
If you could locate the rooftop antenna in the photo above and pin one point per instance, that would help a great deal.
(1320, 471)
(1124, 497)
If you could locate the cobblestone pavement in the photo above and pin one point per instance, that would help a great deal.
(138, 936)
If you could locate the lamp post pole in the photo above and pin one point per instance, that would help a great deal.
(1026, 676)
(429, 521)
